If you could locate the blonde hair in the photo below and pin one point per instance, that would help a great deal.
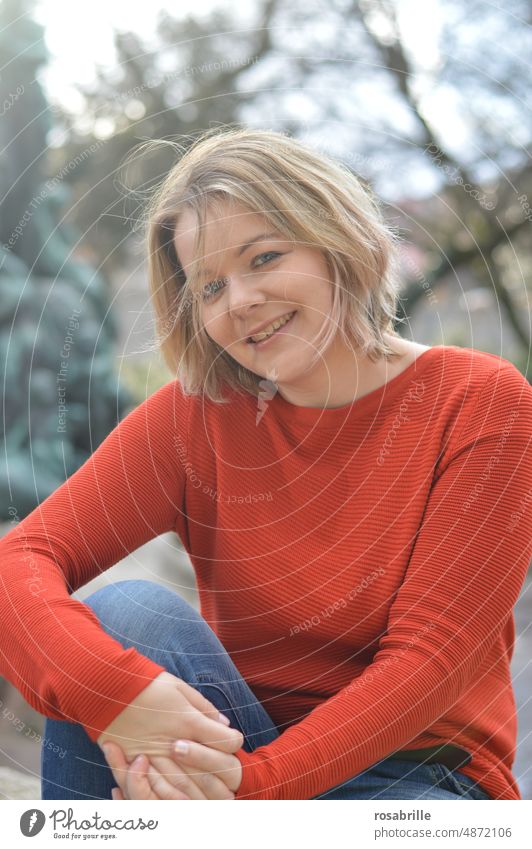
(308, 197)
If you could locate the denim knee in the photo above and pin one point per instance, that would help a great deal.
(158, 623)
(139, 599)
(131, 589)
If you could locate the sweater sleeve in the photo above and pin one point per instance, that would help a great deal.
(467, 567)
(52, 647)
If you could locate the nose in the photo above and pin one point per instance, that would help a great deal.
(243, 294)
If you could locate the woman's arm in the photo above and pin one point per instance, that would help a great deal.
(467, 567)
(52, 647)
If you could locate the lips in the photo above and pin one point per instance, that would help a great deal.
(287, 318)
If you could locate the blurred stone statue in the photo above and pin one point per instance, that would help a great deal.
(60, 391)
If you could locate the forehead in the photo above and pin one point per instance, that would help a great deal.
(226, 228)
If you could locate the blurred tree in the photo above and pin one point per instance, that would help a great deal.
(189, 79)
(490, 225)
(401, 115)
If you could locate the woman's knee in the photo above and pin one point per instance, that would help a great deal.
(135, 594)
(159, 624)
(138, 610)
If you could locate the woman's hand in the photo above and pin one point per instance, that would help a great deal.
(166, 709)
(200, 773)
(199, 761)
(133, 782)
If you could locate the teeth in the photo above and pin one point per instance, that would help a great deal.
(269, 331)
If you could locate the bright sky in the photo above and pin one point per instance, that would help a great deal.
(76, 50)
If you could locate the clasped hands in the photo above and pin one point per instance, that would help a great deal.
(139, 746)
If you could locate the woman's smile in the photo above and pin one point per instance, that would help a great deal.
(257, 342)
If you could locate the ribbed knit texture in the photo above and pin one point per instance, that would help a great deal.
(360, 565)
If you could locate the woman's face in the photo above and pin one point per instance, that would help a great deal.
(252, 276)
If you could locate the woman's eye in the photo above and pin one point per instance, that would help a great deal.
(211, 289)
(268, 253)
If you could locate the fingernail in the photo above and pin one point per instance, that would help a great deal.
(106, 749)
(181, 746)
(138, 760)
(223, 718)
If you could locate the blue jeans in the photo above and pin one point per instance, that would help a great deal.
(164, 627)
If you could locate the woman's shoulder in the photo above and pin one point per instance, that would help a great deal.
(485, 394)
(473, 369)
(450, 362)
(454, 375)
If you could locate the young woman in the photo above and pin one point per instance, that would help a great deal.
(353, 504)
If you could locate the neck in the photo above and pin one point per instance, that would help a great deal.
(342, 375)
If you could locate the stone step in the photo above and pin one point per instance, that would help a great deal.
(18, 785)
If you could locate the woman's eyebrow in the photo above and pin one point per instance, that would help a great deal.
(247, 245)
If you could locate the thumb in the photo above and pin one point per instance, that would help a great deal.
(116, 759)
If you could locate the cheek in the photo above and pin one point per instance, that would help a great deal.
(217, 327)
(313, 284)
(319, 299)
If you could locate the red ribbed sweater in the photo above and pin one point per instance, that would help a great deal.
(360, 564)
